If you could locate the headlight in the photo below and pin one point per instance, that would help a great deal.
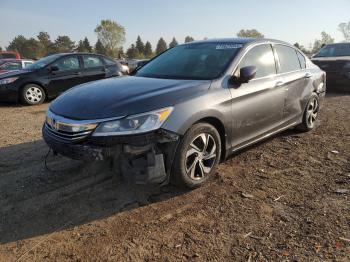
(134, 124)
(8, 80)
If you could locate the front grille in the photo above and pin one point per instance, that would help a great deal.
(65, 135)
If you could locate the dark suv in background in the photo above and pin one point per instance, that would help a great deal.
(187, 109)
(54, 74)
(335, 60)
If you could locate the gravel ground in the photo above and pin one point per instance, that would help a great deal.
(286, 199)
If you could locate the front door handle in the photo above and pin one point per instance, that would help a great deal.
(308, 75)
(77, 73)
(279, 84)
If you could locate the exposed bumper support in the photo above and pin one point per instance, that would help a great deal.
(141, 158)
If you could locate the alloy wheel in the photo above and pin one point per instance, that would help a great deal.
(200, 156)
(312, 111)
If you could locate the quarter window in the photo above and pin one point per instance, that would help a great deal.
(262, 58)
(302, 60)
(109, 61)
(68, 63)
(92, 61)
(288, 59)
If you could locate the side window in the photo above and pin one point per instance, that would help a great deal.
(12, 66)
(67, 63)
(288, 59)
(27, 64)
(302, 59)
(92, 61)
(262, 58)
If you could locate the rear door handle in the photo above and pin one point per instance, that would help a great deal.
(308, 75)
(279, 84)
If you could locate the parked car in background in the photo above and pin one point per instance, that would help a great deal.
(54, 74)
(335, 60)
(9, 54)
(13, 64)
(136, 63)
(188, 108)
(124, 66)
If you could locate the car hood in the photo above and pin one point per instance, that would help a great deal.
(14, 73)
(124, 96)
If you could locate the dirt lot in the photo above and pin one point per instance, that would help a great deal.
(287, 199)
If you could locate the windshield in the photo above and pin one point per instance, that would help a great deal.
(42, 62)
(192, 61)
(334, 50)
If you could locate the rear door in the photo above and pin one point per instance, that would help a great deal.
(67, 76)
(295, 80)
(94, 68)
(257, 105)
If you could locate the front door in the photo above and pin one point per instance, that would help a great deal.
(257, 106)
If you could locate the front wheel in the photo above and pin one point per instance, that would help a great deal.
(32, 94)
(197, 156)
(310, 114)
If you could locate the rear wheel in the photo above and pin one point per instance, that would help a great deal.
(32, 94)
(310, 114)
(197, 156)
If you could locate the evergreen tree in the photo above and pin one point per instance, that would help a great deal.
(148, 50)
(64, 44)
(99, 48)
(140, 46)
(46, 45)
(189, 39)
(161, 46)
(87, 46)
(173, 43)
(132, 52)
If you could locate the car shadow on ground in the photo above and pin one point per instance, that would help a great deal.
(36, 201)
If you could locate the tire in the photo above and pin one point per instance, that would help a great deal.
(196, 161)
(310, 114)
(32, 94)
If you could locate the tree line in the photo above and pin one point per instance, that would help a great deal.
(111, 37)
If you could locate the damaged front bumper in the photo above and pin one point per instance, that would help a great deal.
(144, 158)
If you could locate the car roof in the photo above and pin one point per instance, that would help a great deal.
(240, 40)
(344, 43)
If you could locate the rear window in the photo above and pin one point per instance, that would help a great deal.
(92, 61)
(334, 50)
(288, 59)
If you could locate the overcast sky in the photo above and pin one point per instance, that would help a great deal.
(292, 21)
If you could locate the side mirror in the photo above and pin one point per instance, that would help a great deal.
(247, 73)
(53, 68)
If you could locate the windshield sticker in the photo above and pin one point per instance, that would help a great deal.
(228, 46)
